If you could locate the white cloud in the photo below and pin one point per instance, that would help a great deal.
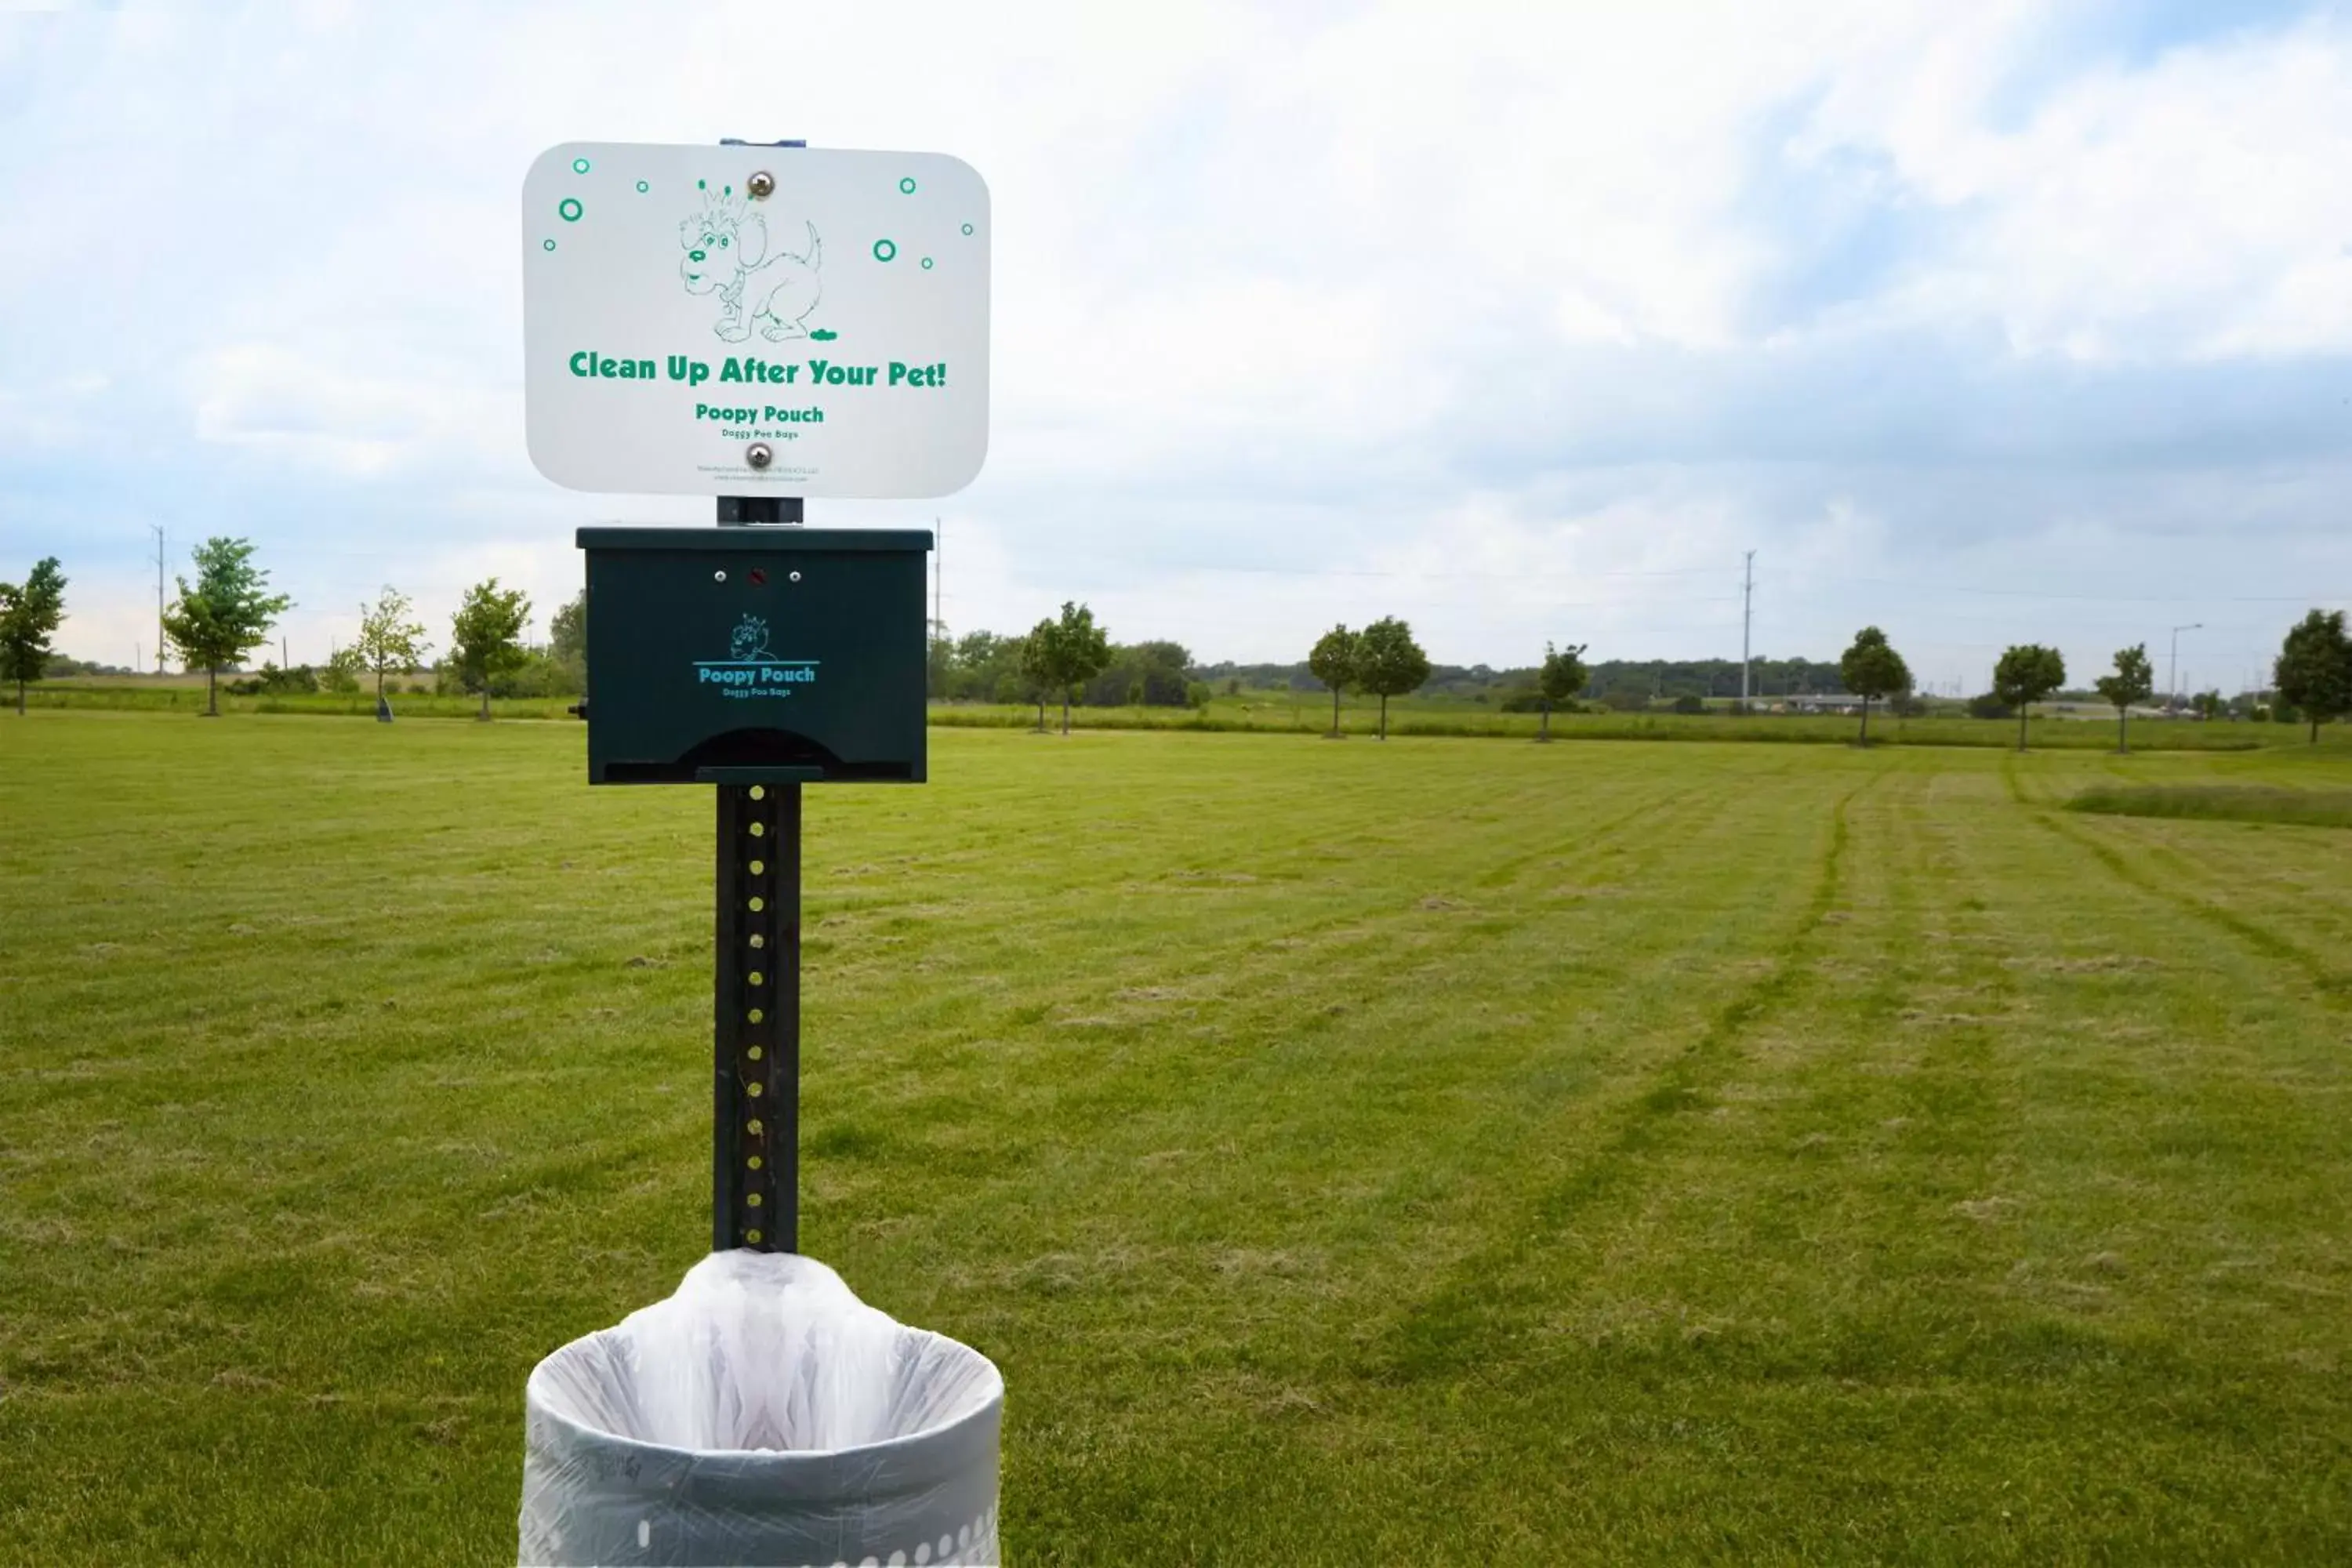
(1278, 288)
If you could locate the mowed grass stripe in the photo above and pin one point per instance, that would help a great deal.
(2287, 879)
(1465, 1323)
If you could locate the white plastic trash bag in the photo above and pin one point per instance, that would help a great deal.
(763, 1415)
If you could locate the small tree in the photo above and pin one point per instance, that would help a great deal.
(1563, 675)
(2313, 673)
(342, 670)
(1388, 663)
(29, 612)
(389, 639)
(1060, 655)
(2133, 681)
(567, 637)
(1872, 668)
(1332, 661)
(225, 615)
(486, 636)
(2026, 674)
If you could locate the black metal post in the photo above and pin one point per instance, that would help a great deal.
(756, 1021)
(738, 511)
(755, 1131)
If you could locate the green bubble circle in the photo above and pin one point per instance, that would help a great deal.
(579, 166)
(569, 208)
(643, 187)
(967, 228)
(907, 187)
(546, 245)
(885, 250)
(927, 264)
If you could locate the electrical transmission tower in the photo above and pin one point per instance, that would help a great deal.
(1747, 607)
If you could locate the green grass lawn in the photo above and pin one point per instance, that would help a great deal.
(1428, 1151)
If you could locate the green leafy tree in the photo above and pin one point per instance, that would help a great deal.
(1563, 675)
(29, 614)
(567, 637)
(1332, 661)
(2133, 681)
(2027, 673)
(225, 615)
(1872, 668)
(342, 671)
(2314, 672)
(390, 636)
(938, 662)
(486, 636)
(1059, 655)
(1388, 663)
(1037, 667)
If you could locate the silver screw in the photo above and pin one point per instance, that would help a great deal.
(760, 455)
(718, 576)
(796, 576)
(761, 185)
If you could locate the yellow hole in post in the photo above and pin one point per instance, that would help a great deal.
(752, 1089)
(755, 1053)
(758, 978)
(758, 792)
(757, 1017)
(753, 1127)
(759, 867)
(751, 1200)
(754, 1162)
(759, 829)
(752, 1236)
(758, 941)
(759, 904)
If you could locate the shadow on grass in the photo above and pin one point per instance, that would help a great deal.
(2220, 803)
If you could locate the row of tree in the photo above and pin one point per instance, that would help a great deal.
(2026, 673)
(1382, 660)
(213, 623)
(2313, 675)
(228, 611)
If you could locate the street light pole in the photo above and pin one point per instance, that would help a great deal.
(2172, 672)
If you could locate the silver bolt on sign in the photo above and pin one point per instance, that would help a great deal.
(761, 185)
(760, 455)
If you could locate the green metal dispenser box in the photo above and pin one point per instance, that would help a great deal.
(753, 654)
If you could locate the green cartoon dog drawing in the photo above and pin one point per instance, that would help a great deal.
(749, 641)
(726, 254)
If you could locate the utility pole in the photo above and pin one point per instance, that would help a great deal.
(158, 529)
(1747, 607)
(2172, 673)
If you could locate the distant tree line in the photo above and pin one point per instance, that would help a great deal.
(1631, 682)
(228, 610)
(986, 667)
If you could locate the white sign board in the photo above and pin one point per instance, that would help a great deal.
(755, 321)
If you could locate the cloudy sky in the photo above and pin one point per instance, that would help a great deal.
(1988, 323)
